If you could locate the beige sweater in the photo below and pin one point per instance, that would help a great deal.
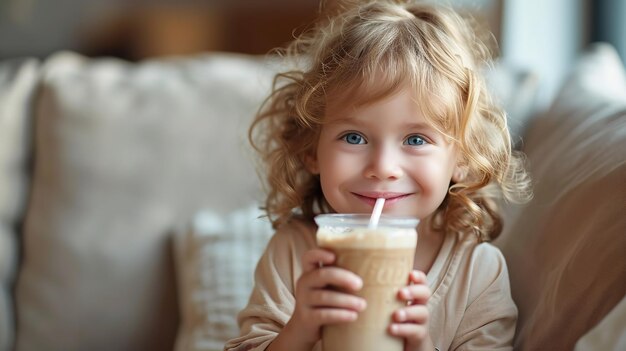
(471, 306)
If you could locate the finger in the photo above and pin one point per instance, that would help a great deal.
(413, 333)
(413, 314)
(336, 277)
(313, 258)
(417, 277)
(415, 294)
(335, 299)
(333, 315)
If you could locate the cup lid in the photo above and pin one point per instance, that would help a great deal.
(362, 220)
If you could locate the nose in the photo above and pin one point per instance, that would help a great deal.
(384, 163)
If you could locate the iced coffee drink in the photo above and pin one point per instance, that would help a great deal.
(383, 258)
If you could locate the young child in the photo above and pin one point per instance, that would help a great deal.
(390, 103)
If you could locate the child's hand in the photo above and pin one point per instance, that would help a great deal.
(318, 301)
(411, 322)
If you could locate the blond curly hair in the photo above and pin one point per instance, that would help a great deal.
(429, 47)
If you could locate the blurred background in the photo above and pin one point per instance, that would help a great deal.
(543, 36)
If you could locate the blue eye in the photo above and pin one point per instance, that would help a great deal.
(353, 138)
(415, 140)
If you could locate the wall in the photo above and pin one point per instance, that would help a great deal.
(545, 37)
(40, 27)
(542, 36)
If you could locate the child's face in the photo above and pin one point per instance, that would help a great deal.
(383, 149)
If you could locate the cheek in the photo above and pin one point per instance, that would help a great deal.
(333, 161)
(335, 168)
(328, 166)
(434, 178)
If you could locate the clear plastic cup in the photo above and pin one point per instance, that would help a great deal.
(383, 258)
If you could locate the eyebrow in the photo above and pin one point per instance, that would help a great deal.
(352, 120)
(420, 125)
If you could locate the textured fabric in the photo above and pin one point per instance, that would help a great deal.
(18, 82)
(123, 154)
(566, 249)
(471, 306)
(215, 259)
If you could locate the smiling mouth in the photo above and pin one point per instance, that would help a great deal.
(390, 198)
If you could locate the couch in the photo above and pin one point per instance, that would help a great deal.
(129, 202)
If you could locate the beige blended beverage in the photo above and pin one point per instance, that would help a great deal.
(383, 258)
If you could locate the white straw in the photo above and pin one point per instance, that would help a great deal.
(378, 210)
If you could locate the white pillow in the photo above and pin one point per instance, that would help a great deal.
(515, 90)
(18, 88)
(215, 260)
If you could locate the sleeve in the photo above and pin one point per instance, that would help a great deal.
(491, 315)
(272, 301)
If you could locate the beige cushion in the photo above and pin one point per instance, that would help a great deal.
(566, 249)
(18, 82)
(124, 154)
(215, 260)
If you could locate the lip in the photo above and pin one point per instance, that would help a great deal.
(391, 198)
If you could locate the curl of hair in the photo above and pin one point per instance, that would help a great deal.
(436, 53)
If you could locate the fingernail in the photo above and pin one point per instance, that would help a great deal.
(417, 275)
(362, 304)
(401, 316)
(358, 283)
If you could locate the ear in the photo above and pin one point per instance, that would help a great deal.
(311, 164)
(460, 173)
